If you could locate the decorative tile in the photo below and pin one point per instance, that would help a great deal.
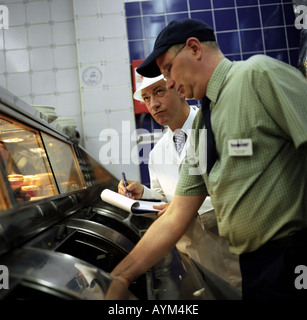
(230, 17)
(65, 56)
(2, 64)
(176, 5)
(151, 7)
(1, 40)
(251, 40)
(293, 57)
(94, 123)
(281, 55)
(272, 15)
(41, 59)
(199, 5)
(246, 2)
(134, 28)
(223, 3)
(205, 16)
(17, 14)
(248, 17)
(43, 82)
(149, 45)
(17, 61)
(19, 83)
(88, 28)
(225, 20)
(38, 12)
(15, 38)
(68, 104)
(113, 26)
(269, 1)
(153, 25)
(91, 76)
(62, 10)
(113, 50)
(274, 38)
(132, 9)
(119, 97)
(39, 35)
(228, 42)
(118, 73)
(293, 36)
(86, 8)
(90, 52)
(136, 49)
(115, 7)
(63, 33)
(289, 14)
(92, 100)
(67, 80)
(176, 16)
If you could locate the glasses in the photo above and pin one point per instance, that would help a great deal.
(167, 68)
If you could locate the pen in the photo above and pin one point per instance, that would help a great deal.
(125, 183)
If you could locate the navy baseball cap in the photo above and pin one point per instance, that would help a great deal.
(176, 32)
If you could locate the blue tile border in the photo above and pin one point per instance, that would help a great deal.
(242, 27)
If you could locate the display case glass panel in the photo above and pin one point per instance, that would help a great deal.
(5, 202)
(25, 162)
(64, 164)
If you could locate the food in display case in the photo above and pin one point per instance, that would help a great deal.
(24, 160)
(64, 164)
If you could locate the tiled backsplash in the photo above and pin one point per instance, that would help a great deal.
(243, 27)
(73, 55)
(38, 52)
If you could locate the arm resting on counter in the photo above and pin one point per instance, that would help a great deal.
(159, 239)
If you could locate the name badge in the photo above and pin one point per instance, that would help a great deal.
(240, 147)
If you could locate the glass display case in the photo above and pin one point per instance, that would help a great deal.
(25, 162)
(64, 164)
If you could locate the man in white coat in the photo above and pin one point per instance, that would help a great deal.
(201, 240)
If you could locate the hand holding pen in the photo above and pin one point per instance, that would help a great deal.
(135, 191)
(125, 183)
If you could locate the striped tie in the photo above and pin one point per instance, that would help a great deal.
(179, 140)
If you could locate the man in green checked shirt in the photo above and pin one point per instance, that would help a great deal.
(258, 184)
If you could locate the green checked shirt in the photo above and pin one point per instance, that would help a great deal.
(258, 185)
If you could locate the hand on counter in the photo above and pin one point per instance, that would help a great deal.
(118, 290)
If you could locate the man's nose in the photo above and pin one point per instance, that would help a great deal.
(154, 103)
(170, 84)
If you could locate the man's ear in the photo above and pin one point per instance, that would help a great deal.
(195, 45)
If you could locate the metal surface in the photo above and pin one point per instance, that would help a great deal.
(57, 274)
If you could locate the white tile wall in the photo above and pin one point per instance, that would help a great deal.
(41, 58)
(39, 55)
(104, 68)
(15, 37)
(73, 54)
(17, 60)
(61, 10)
